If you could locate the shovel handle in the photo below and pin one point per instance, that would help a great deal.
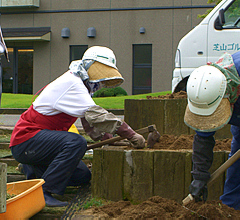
(217, 173)
(224, 166)
(118, 138)
(101, 143)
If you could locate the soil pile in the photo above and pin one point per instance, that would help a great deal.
(177, 95)
(176, 143)
(185, 142)
(160, 208)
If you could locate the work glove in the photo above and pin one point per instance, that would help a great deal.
(198, 189)
(126, 131)
(137, 141)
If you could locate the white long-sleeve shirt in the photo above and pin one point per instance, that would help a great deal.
(65, 94)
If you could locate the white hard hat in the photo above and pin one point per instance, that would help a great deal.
(101, 54)
(100, 63)
(206, 87)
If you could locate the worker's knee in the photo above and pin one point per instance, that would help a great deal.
(77, 140)
(81, 142)
(75, 145)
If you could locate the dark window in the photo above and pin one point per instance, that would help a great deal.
(142, 69)
(18, 74)
(77, 51)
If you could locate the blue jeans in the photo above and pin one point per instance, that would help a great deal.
(231, 194)
(55, 156)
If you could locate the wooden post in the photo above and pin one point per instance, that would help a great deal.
(3, 187)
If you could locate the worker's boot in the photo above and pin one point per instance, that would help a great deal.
(53, 202)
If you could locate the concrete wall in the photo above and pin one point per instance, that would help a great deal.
(115, 28)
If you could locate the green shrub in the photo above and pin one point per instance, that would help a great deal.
(110, 92)
(118, 91)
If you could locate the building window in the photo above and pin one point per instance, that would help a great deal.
(17, 76)
(77, 51)
(142, 69)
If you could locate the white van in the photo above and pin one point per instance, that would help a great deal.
(218, 32)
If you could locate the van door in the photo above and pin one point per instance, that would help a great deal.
(224, 37)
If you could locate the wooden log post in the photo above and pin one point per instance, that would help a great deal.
(3, 187)
(166, 114)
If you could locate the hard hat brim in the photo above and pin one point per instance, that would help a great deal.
(109, 76)
(204, 111)
(208, 123)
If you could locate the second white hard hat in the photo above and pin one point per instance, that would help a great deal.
(206, 87)
(207, 110)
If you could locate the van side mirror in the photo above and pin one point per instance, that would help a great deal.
(220, 21)
(221, 17)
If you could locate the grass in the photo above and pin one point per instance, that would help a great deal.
(10, 100)
(5, 153)
(12, 170)
(93, 202)
(5, 138)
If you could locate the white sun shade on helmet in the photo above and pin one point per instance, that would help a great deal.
(101, 54)
(206, 87)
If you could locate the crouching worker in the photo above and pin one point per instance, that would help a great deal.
(40, 139)
(213, 101)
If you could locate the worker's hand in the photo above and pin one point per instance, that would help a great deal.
(137, 141)
(126, 131)
(198, 190)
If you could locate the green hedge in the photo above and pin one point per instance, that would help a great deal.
(110, 92)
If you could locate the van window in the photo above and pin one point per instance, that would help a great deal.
(232, 15)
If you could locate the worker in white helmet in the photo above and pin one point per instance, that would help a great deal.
(213, 101)
(40, 140)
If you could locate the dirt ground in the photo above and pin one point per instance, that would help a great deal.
(161, 208)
